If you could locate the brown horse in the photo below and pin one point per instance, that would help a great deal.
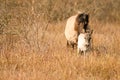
(74, 26)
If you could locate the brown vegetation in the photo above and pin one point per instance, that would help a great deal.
(33, 45)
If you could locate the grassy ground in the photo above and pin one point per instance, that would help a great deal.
(33, 45)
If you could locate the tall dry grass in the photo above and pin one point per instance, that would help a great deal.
(33, 45)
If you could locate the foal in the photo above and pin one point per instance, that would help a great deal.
(84, 42)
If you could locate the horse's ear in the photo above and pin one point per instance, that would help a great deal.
(91, 31)
(87, 17)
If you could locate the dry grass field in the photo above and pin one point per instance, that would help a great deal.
(33, 45)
